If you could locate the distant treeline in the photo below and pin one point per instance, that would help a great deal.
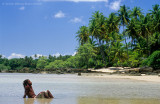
(125, 38)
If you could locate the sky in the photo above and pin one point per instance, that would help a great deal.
(48, 27)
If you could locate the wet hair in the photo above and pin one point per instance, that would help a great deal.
(25, 82)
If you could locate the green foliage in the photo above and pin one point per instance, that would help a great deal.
(72, 62)
(4, 68)
(134, 59)
(42, 62)
(57, 64)
(85, 52)
(153, 60)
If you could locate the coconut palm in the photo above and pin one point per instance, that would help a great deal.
(155, 14)
(97, 30)
(83, 35)
(136, 13)
(155, 10)
(97, 26)
(131, 31)
(112, 29)
(112, 23)
(123, 15)
(144, 30)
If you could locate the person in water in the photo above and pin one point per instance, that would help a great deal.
(30, 92)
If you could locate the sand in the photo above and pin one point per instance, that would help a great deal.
(151, 78)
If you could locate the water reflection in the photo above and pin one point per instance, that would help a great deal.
(39, 101)
(96, 100)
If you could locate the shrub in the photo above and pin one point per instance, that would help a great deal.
(4, 68)
(153, 60)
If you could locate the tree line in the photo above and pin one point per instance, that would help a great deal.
(127, 37)
(124, 38)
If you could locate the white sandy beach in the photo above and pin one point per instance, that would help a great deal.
(152, 78)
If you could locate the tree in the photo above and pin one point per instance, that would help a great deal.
(123, 15)
(136, 13)
(131, 31)
(42, 62)
(155, 14)
(97, 30)
(84, 53)
(83, 35)
(119, 53)
(144, 30)
(57, 64)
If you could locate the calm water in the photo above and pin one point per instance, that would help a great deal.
(73, 89)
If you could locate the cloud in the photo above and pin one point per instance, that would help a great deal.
(75, 0)
(74, 53)
(60, 14)
(14, 55)
(115, 5)
(22, 8)
(76, 20)
(57, 54)
(38, 55)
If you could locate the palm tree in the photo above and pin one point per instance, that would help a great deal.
(131, 31)
(155, 10)
(97, 30)
(112, 28)
(83, 35)
(119, 54)
(144, 30)
(155, 14)
(97, 26)
(112, 23)
(136, 13)
(123, 16)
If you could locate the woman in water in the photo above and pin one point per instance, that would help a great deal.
(30, 92)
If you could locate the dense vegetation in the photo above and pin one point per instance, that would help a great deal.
(125, 38)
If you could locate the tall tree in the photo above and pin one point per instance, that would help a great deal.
(136, 13)
(155, 14)
(144, 29)
(83, 35)
(123, 15)
(112, 29)
(131, 31)
(97, 30)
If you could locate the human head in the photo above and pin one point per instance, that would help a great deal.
(27, 82)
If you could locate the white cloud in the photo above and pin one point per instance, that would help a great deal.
(57, 54)
(60, 14)
(75, 0)
(74, 53)
(38, 55)
(115, 5)
(76, 20)
(22, 8)
(14, 55)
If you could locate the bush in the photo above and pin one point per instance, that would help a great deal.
(4, 68)
(153, 60)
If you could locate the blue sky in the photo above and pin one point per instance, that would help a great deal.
(44, 27)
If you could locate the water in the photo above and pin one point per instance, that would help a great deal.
(73, 89)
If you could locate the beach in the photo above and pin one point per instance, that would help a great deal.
(143, 77)
(89, 88)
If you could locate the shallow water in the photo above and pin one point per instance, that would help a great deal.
(73, 89)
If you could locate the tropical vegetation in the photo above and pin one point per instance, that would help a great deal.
(126, 38)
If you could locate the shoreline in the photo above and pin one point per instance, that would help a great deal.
(142, 77)
(148, 78)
